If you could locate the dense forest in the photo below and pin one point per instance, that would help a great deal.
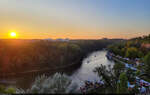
(25, 55)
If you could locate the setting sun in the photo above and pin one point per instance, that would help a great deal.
(13, 34)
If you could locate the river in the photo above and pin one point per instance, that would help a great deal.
(85, 72)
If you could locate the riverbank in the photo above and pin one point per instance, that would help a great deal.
(138, 81)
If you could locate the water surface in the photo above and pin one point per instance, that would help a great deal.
(85, 72)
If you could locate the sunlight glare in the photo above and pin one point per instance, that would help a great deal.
(13, 34)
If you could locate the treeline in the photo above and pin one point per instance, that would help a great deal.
(133, 48)
(25, 55)
(138, 47)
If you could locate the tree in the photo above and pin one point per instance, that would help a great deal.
(56, 84)
(118, 69)
(131, 74)
(132, 52)
(114, 49)
(108, 77)
(122, 85)
(140, 54)
(122, 52)
(147, 63)
(138, 72)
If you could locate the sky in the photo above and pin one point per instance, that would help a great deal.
(74, 19)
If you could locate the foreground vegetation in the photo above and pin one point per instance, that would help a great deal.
(56, 84)
(62, 84)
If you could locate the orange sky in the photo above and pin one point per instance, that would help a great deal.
(39, 19)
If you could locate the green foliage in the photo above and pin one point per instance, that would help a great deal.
(9, 90)
(115, 78)
(122, 52)
(114, 49)
(140, 54)
(131, 48)
(129, 43)
(118, 87)
(118, 49)
(75, 48)
(122, 86)
(108, 77)
(138, 72)
(147, 63)
(118, 69)
(131, 74)
(2, 89)
(132, 52)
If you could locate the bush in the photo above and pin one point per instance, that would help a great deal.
(147, 63)
(122, 86)
(56, 84)
(9, 90)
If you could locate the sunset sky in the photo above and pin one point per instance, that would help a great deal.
(74, 19)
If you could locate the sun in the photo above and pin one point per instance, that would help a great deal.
(13, 34)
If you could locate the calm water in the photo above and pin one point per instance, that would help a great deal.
(85, 72)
